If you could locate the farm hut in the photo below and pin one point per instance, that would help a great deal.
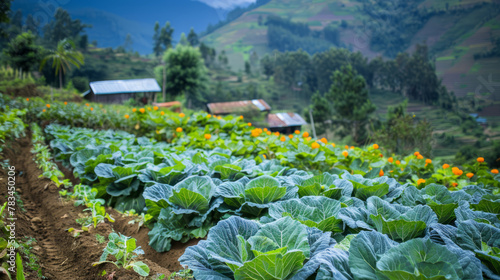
(285, 123)
(239, 107)
(119, 91)
(174, 106)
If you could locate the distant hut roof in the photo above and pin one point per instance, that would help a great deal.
(125, 86)
(285, 119)
(238, 106)
(167, 104)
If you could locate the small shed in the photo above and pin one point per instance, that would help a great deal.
(119, 91)
(238, 107)
(285, 123)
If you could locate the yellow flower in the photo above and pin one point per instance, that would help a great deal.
(480, 159)
(137, 126)
(297, 132)
(345, 153)
(352, 147)
(207, 136)
(162, 113)
(283, 139)
(305, 134)
(157, 131)
(324, 140)
(149, 108)
(179, 129)
(134, 110)
(264, 156)
(209, 116)
(127, 116)
(182, 115)
(219, 117)
(142, 110)
(469, 175)
(155, 108)
(333, 145)
(265, 128)
(375, 146)
(315, 145)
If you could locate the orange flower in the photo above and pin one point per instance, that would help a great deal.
(457, 171)
(43, 110)
(420, 181)
(265, 128)
(179, 129)
(182, 115)
(264, 156)
(283, 139)
(494, 171)
(290, 136)
(162, 113)
(375, 146)
(345, 153)
(249, 124)
(155, 108)
(315, 145)
(420, 156)
(469, 175)
(134, 110)
(454, 184)
(446, 166)
(381, 155)
(416, 153)
(324, 140)
(142, 110)
(91, 109)
(48, 105)
(157, 131)
(241, 117)
(65, 103)
(346, 147)
(127, 116)
(277, 133)
(297, 132)
(219, 117)
(268, 132)
(333, 145)
(390, 159)
(305, 134)
(480, 159)
(207, 136)
(209, 116)
(352, 147)
(87, 104)
(308, 138)
(381, 173)
(428, 161)
(149, 108)
(398, 162)
(27, 99)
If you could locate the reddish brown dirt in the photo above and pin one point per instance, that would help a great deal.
(47, 218)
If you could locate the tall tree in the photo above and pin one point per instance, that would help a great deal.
(22, 52)
(186, 73)
(321, 112)
(63, 57)
(63, 27)
(4, 15)
(166, 36)
(157, 48)
(183, 41)
(127, 45)
(193, 38)
(248, 69)
(31, 25)
(267, 65)
(349, 96)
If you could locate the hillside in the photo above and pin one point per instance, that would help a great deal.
(454, 30)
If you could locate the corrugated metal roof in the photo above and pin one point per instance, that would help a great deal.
(285, 119)
(125, 86)
(238, 106)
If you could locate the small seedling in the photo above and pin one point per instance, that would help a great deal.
(184, 274)
(124, 249)
(101, 239)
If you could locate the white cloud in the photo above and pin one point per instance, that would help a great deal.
(226, 4)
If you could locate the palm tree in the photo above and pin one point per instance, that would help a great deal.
(63, 57)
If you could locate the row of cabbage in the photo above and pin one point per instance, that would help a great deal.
(204, 131)
(276, 222)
